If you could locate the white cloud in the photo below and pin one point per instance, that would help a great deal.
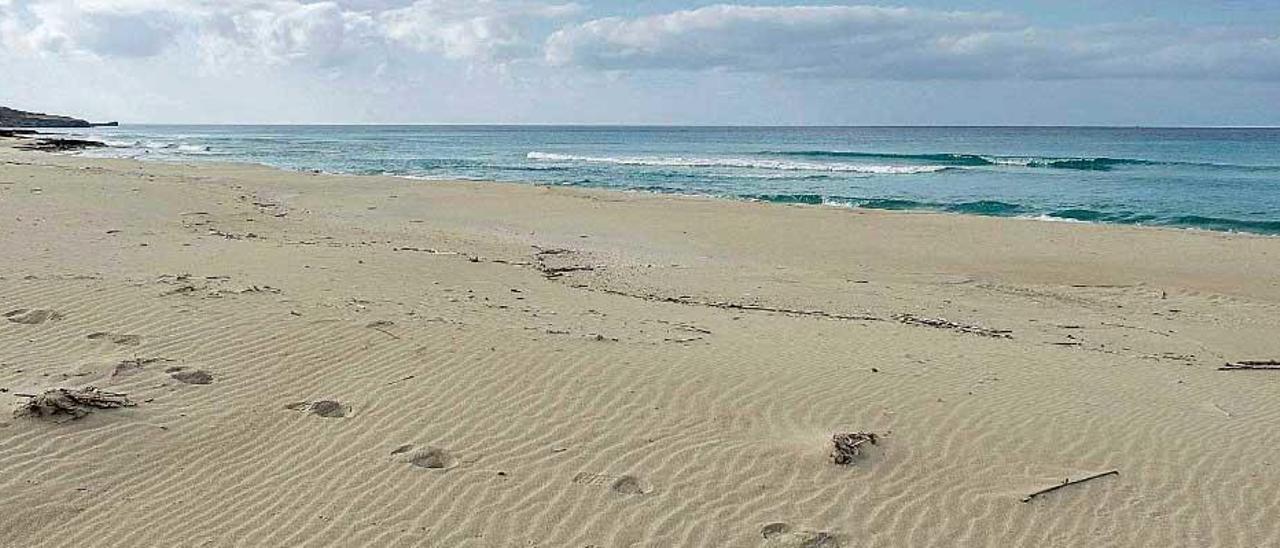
(900, 43)
(864, 42)
(279, 31)
(553, 61)
(480, 29)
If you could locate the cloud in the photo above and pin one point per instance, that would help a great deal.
(840, 42)
(868, 42)
(279, 31)
(553, 61)
(476, 29)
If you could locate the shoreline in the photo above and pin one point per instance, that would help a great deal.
(893, 205)
(353, 360)
(926, 209)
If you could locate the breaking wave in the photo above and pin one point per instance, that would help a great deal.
(993, 208)
(780, 165)
(978, 160)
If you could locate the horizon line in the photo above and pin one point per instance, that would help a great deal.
(743, 126)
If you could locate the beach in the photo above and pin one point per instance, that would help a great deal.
(331, 360)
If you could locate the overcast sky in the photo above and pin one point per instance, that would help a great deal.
(1116, 62)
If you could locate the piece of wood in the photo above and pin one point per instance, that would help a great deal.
(1069, 482)
(398, 381)
(1252, 365)
(385, 332)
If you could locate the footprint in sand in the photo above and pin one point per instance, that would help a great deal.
(432, 458)
(328, 409)
(133, 365)
(783, 535)
(625, 484)
(630, 485)
(183, 375)
(33, 316)
(116, 338)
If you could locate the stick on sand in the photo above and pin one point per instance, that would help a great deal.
(1069, 482)
(1265, 365)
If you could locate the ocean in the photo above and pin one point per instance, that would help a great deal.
(1213, 179)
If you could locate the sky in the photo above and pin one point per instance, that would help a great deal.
(769, 62)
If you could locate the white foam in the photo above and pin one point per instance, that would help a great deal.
(1021, 162)
(1050, 218)
(780, 165)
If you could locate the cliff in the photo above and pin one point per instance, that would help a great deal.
(18, 118)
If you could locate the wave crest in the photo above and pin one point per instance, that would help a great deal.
(779, 165)
(973, 160)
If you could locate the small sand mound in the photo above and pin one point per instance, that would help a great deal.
(133, 365)
(782, 535)
(434, 458)
(329, 409)
(126, 368)
(33, 316)
(116, 338)
(192, 377)
(71, 403)
(630, 485)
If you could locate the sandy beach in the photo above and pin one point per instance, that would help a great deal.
(319, 360)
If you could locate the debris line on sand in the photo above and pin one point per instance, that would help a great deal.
(1256, 365)
(941, 323)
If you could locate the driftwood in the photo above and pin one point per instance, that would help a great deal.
(1254, 365)
(70, 403)
(398, 381)
(558, 271)
(847, 446)
(1068, 482)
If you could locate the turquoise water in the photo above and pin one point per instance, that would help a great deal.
(1216, 179)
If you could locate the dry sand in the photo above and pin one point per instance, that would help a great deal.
(341, 361)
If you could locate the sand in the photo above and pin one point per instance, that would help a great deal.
(341, 361)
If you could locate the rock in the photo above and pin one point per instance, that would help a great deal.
(61, 145)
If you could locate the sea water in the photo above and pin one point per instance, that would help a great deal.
(1216, 179)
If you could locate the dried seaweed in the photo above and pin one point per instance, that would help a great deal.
(71, 403)
(847, 446)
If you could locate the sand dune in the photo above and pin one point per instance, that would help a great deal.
(339, 361)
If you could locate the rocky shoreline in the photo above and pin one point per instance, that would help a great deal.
(13, 118)
(32, 140)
